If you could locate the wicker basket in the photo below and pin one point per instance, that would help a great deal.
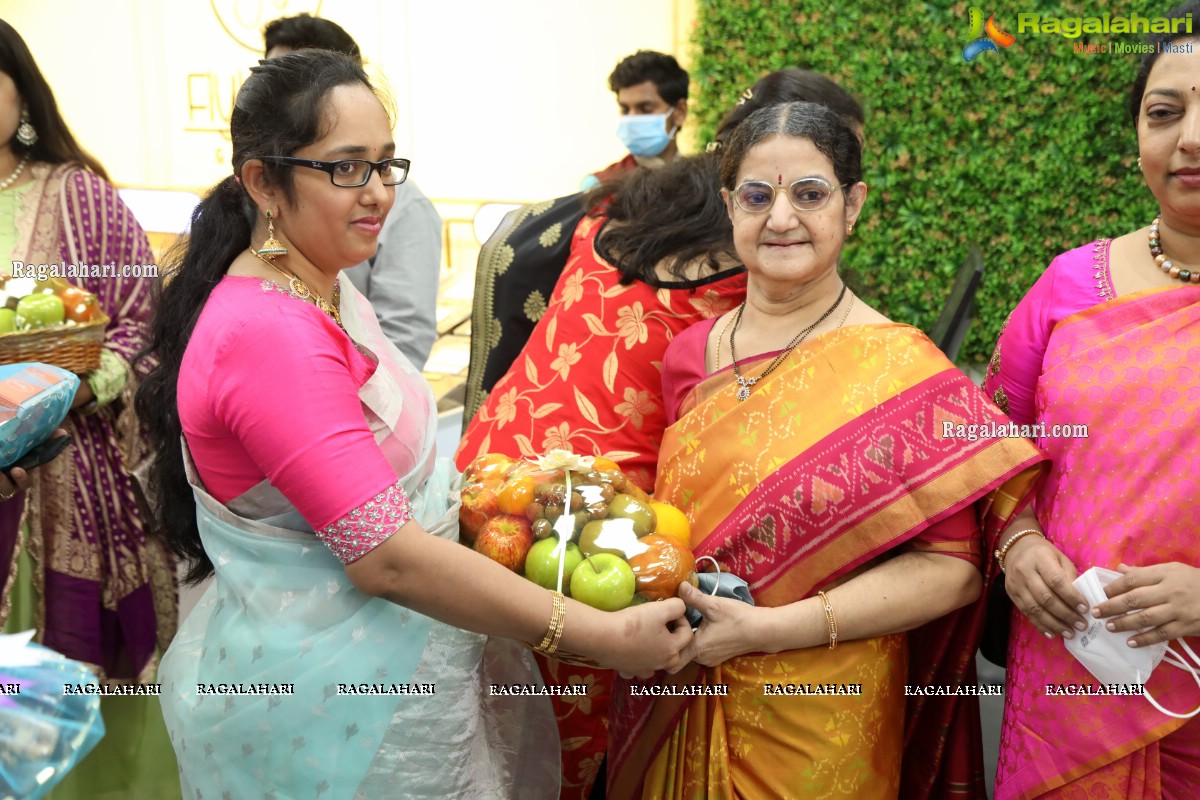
(72, 347)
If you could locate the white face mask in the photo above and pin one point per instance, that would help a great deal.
(1106, 655)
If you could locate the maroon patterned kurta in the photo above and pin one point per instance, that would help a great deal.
(107, 589)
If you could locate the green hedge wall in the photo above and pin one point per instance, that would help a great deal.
(1026, 153)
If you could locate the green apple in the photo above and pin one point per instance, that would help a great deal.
(603, 581)
(8, 320)
(626, 506)
(615, 536)
(541, 565)
(40, 311)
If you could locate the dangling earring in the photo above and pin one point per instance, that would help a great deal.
(26, 133)
(1139, 162)
(850, 229)
(272, 247)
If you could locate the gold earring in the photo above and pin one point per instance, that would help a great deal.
(1139, 162)
(272, 247)
(849, 229)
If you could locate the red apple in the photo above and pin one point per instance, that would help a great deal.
(487, 468)
(479, 504)
(506, 539)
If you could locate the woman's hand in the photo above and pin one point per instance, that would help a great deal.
(1038, 579)
(730, 628)
(1164, 598)
(16, 480)
(650, 637)
(83, 395)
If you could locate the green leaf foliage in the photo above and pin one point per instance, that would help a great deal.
(1026, 153)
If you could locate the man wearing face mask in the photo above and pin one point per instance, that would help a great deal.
(651, 90)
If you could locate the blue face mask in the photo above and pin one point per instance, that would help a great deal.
(646, 134)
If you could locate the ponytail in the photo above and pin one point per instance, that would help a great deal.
(282, 107)
(221, 227)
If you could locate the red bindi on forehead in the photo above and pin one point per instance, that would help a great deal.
(779, 179)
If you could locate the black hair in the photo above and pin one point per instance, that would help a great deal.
(662, 70)
(825, 128)
(673, 214)
(282, 107)
(305, 31)
(55, 143)
(1156, 41)
(788, 85)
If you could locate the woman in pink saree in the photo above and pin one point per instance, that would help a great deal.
(1109, 337)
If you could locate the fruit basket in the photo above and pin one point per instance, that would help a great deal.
(51, 322)
(578, 525)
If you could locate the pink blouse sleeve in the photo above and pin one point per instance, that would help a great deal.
(1016, 363)
(683, 366)
(287, 388)
(1074, 281)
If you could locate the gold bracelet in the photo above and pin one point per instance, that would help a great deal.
(1003, 551)
(560, 606)
(554, 630)
(830, 618)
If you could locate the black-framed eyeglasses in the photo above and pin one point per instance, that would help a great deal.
(351, 172)
(805, 194)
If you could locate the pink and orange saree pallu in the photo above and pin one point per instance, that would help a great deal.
(1128, 369)
(836, 461)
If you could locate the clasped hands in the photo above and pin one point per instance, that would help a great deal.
(1162, 601)
(730, 628)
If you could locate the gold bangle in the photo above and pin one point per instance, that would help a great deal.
(830, 618)
(554, 630)
(1003, 551)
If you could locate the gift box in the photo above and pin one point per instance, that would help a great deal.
(44, 731)
(34, 400)
(578, 525)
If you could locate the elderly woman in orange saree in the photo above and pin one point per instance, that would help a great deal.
(1108, 343)
(819, 470)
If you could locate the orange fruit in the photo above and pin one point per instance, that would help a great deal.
(661, 567)
(605, 464)
(516, 493)
(672, 523)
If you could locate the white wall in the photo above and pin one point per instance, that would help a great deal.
(496, 99)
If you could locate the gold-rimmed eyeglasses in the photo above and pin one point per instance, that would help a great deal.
(805, 194)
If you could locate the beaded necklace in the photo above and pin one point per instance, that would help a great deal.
(1165, 264)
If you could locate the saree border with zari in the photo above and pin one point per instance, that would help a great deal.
(1126, 368)
(812, 493)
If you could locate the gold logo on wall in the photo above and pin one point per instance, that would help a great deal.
(244, 20)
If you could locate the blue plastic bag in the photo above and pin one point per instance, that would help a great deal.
(34, 400)
(44, 731)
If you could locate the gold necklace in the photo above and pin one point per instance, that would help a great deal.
(744, 384)
(846, 316)
(301, 289)
(721, 338)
